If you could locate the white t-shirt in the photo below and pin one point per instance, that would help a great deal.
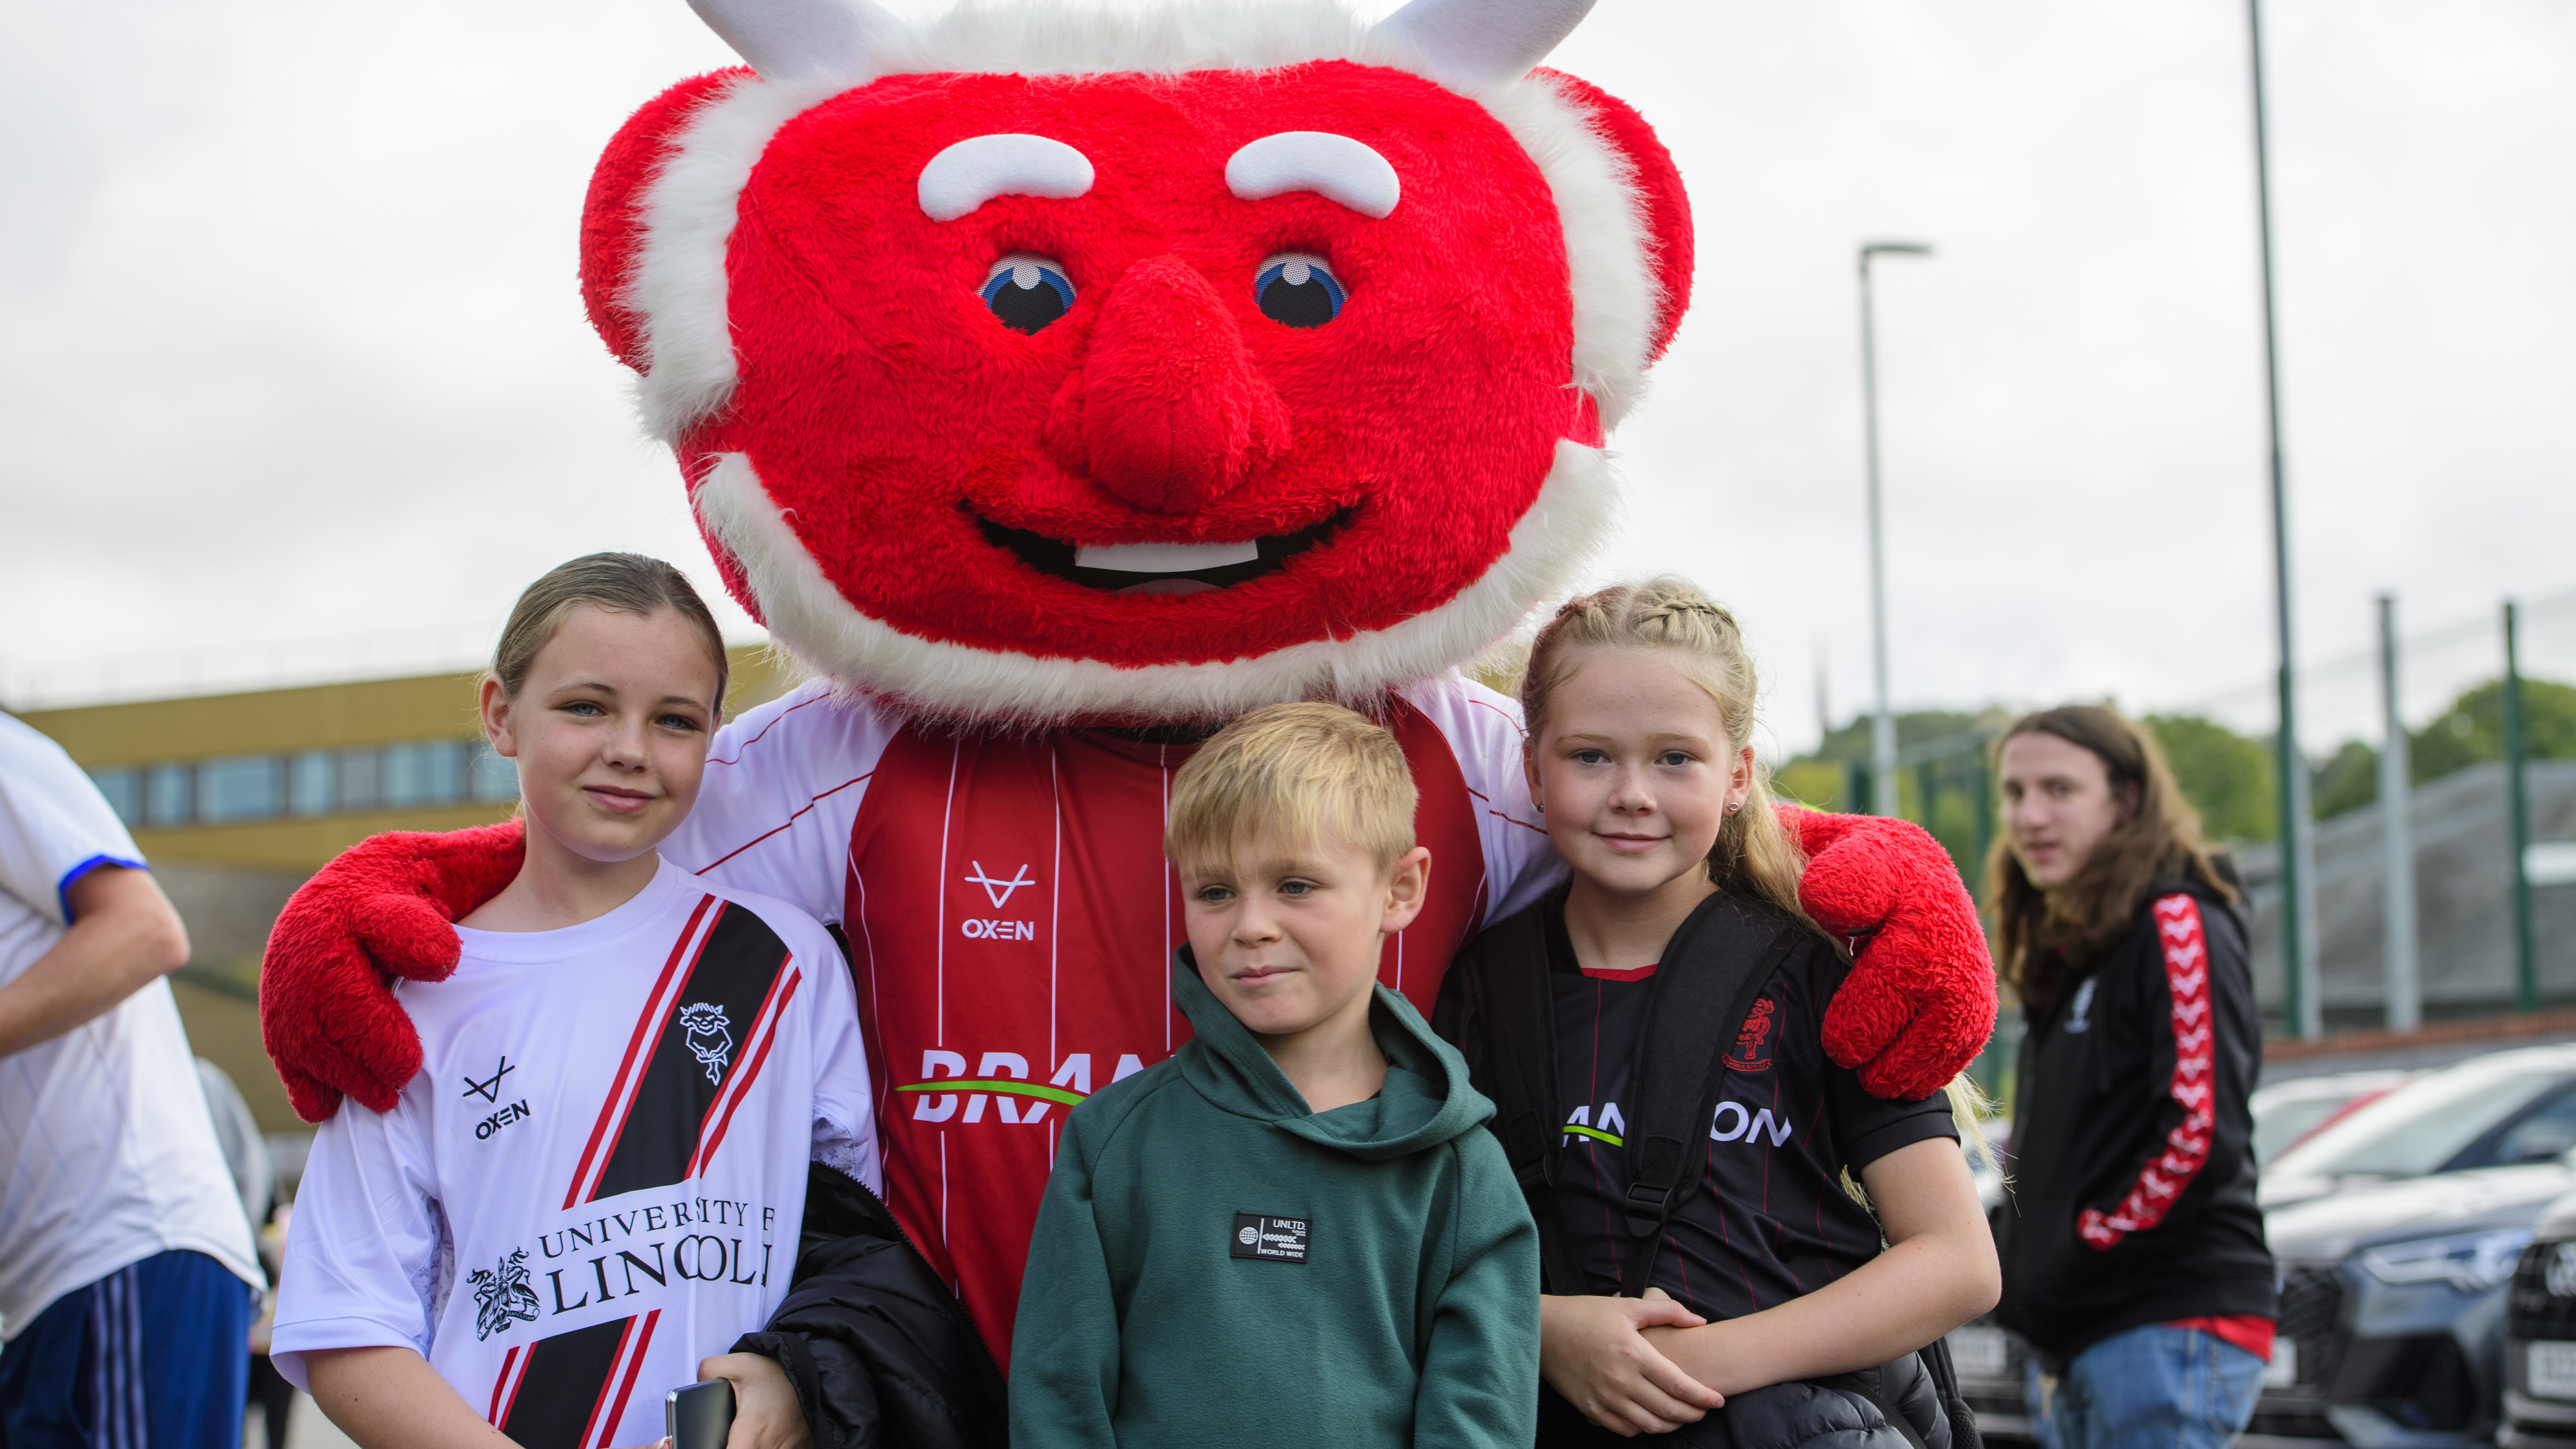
(597, 1178)
(109, 1151)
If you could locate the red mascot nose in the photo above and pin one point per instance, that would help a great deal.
(1168, 411)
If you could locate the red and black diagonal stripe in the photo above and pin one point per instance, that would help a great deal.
(652, 1132)
(569, 1391)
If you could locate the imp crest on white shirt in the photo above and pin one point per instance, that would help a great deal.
(709, 1040)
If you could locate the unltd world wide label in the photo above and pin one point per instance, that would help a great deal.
(1259, 1235)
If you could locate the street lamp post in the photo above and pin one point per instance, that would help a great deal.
(1882, 736)
(2303, 995)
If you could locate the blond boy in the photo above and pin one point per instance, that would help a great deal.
(1291, 1232)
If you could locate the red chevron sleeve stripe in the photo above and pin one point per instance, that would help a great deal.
(2161, 1182)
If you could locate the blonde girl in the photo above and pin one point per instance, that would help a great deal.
(1765, 1305)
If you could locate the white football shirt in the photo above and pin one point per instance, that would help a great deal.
(109, 1151)
(598, 1176)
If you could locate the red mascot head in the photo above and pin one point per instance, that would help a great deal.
(1138, 367)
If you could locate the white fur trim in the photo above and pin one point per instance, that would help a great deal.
(974, 171)
(678, 288)
(1608, 247)
(1336, 168)
(1570, 516)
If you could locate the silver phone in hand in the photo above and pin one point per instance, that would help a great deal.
(699, 1416)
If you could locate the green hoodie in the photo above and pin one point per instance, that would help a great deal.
(1168, 1303)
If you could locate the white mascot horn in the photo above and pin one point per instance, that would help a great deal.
(801, 40)
(1465, 43)
(1484, 42)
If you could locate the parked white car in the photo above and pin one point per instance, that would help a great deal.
(2287, 1113)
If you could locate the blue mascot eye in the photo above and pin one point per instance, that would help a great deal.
(1027, 292)
(1297, 290)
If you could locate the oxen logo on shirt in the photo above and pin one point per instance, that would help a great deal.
(709, 1041)
(997, 890)
(502, 1295)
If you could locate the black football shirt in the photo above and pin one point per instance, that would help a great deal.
(1770, 1221)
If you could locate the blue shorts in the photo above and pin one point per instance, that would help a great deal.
(155, 1355)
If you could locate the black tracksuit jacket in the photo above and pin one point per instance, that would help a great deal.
(2131, 1194)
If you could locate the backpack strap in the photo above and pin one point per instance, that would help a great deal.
(1964, 1433)
(1713, 972)
(1506, 975)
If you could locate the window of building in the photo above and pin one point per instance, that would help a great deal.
(307, 783)
(243, 787)
(123, 787)
(494, 777)
(362, 779)
(169, 795)
(426, 772)
(313, 783)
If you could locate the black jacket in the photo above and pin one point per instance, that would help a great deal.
(1894, 1406)
(879, 1350)
(2130, 1199)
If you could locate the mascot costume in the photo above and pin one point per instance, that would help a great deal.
(1057, 386)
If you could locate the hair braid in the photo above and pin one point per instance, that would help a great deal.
(1753, 855)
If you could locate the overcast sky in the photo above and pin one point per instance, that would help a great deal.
(293, 367)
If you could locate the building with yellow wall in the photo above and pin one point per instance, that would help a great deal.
(236, 798)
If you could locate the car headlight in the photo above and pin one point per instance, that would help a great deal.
(2469, 1262)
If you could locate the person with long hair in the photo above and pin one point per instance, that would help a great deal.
(2132, 1248)
(1740, 1245)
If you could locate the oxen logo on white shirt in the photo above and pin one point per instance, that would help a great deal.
(502, 1295)
(708, 1038)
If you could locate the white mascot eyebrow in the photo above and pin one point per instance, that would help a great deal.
(979, 168)
(1336, 168)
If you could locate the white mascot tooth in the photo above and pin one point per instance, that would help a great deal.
(1165, 558)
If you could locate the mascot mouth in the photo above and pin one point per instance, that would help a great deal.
(1159, 568)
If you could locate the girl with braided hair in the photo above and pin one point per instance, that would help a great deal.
(1651, 1033)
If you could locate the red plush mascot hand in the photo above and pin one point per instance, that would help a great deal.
(1920, 1001)
(385, 907)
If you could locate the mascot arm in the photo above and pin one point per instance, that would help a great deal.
(1920, 1001)
(781, 791)
(384, 908)
(1483, 731)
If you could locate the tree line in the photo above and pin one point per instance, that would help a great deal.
(2227, 776)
